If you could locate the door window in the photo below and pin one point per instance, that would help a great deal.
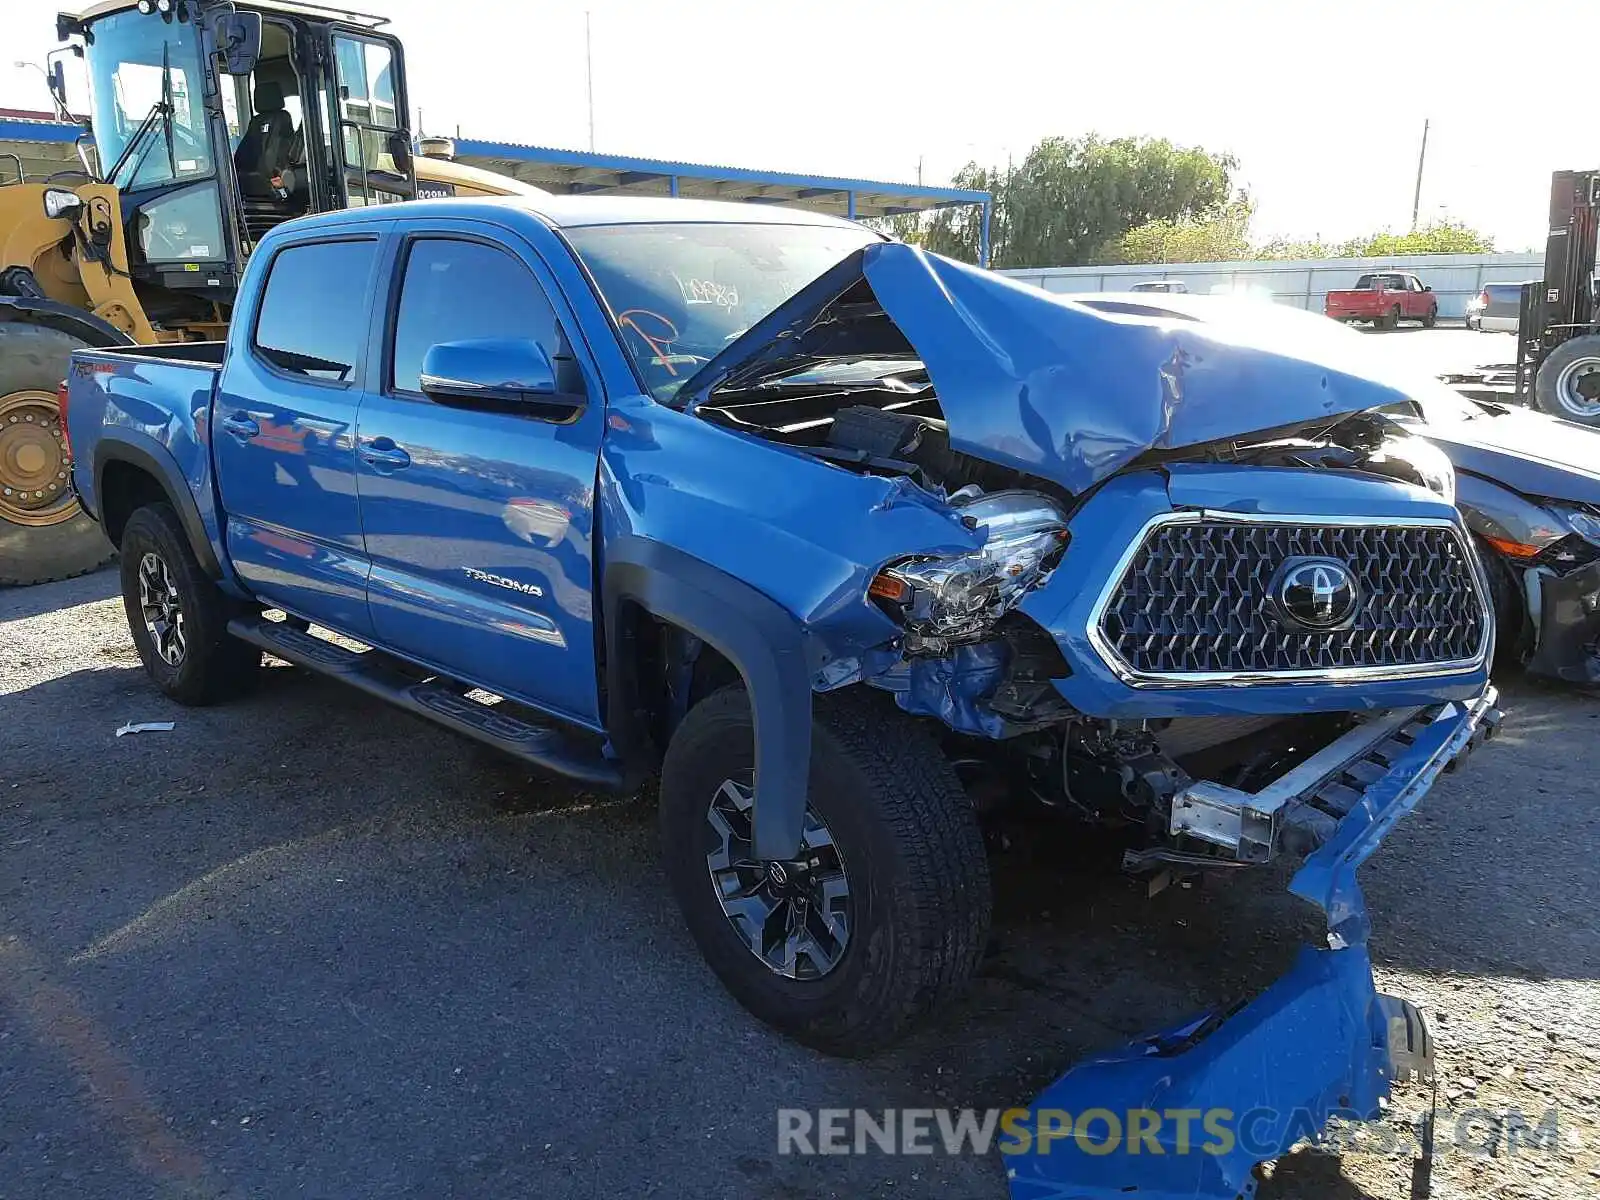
(368, 106)
(313, 315)
(456, 290)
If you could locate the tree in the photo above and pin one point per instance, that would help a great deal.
(1441, 237)
(903, 227)
(1070, 197)
(1216, 238)
(958, 232)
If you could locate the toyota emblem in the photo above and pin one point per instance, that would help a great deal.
(1316, 593)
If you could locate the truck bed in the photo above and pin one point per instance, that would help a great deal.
(157, 400)
(205, 353)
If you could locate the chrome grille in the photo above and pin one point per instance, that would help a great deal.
(1195, 601)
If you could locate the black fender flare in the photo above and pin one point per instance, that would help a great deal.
(763, 641)
(151, 457)
(52, 314)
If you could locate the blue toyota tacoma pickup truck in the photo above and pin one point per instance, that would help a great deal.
(856, 547)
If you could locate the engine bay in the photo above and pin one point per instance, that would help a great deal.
(890, 423)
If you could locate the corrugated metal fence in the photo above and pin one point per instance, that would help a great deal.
(1455, 278)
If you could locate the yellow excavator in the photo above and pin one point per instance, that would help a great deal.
(210, 122)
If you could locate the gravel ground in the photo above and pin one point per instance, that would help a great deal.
(305, 945)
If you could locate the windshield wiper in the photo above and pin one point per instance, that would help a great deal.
(898, 380)
(134, 143)
(166, 107)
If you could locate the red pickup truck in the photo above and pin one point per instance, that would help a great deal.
(1385, 298)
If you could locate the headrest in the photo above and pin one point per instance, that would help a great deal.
(269, 97)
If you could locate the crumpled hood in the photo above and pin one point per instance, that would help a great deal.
(1030, 380)
(1527, 451)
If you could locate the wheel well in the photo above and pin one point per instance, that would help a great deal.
(666, 671)
(124, 489)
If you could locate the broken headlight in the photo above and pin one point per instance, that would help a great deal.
(1580, 547)
(944, 602)
(1582, 522)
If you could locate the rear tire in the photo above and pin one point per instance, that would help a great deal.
(44, 532)
(1390, 320)
(178, 616)
(908, 849)
(1568, 382)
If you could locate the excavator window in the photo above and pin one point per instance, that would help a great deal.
(369, 116)
(266, 124)
(145, 95)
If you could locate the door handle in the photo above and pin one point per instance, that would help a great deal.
(241, 426)
(383, 455)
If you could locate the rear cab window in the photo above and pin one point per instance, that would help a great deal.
(312, 321)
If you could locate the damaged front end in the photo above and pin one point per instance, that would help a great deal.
(1567, 625)
(1560, 581)
(1143, 574)
(1199, 591)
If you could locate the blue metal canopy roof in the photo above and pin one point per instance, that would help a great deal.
(579, 171)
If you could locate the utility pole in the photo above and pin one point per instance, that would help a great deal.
(588, 73)
(1416, 197)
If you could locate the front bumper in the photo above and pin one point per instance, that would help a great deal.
(1197, 1107)
(1568, 650)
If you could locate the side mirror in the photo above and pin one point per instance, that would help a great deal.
(399, 145)
(1427, 287)
(514, 373)
(58, 83)
(237, 37)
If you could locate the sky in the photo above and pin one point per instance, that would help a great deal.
(1322, 103)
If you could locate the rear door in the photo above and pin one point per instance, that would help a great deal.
(283, 430)
(479, 521)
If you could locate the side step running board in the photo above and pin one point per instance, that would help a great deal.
(543, 746)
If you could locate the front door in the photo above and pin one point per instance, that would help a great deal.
(479, 522)
(284, 433)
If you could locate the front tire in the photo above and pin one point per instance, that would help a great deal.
(1432, 319)
(893, 858)
(44, 532)
(178, 616)
(1568, 383)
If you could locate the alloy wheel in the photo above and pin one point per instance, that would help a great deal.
(794, 915)
(162, 609)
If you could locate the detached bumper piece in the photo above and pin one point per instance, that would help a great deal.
(1191, 1111)
(1569, 628)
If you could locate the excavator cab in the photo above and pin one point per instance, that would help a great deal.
(211, 122)
(216, 120)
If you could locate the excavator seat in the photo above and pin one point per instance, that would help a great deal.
(265, 153)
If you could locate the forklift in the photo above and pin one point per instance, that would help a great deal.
(210, 123)
(1558, 330)
(1558, 333)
